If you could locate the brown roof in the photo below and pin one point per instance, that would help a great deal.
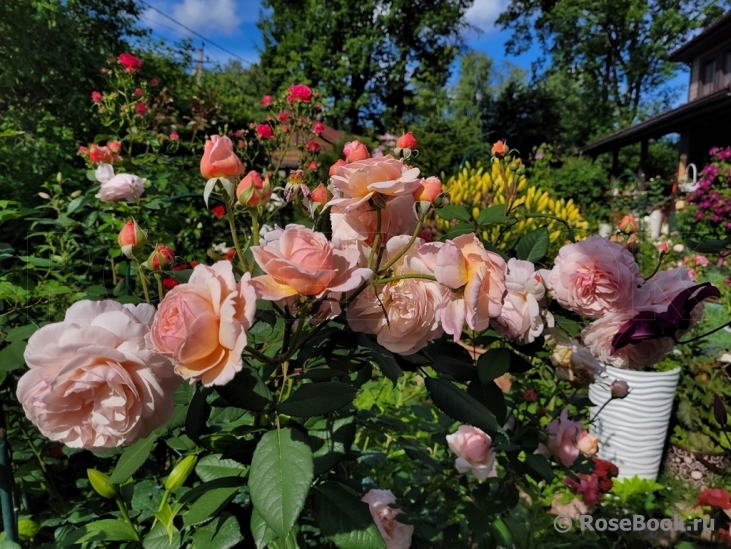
(715, 33)
(326, 140)
(671, 121)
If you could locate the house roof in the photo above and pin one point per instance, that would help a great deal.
(715, 33)
(671, 121)
(326, 140)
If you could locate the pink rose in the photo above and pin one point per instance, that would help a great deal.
(598, 336)
(141, 109)
(404, 315)
(129, 62)
(300, 261)
(318, 128)
(587, 444)
(174, 136)
(472, 446)
(429, 189)
(522, 316)
(619, 388)
(395, 534)
(202, 324)
(477, 280)
(93, 382)
(253, 191)
(264, 131)
(266, 100)
(115, 188)
(563, 435)
(355, 151)
(299, 92)
(97, 97)
(379, 178)
(361, 224)
(219, 159)
(595, 276)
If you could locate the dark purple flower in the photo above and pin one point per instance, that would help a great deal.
(651, 324)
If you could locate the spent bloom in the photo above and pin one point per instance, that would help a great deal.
(395, 534)
(567, 438)
(115, 188)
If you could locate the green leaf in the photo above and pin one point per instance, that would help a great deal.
(166, 517)
(195, 420)
(222, 533)
(459, 229)
(493, 364)
(263, 535)
(533, 246)
(492, 214)
(491, 397)
(158, 538)
(76, 204)
(280, 477)
(11, 357)
(208, 505)
(382, 357)
(453, 211)
(132, 459)
(330, 439)
(102, 530)
(212, 467)
(344, 519)
(21, 333)
(223, 482)
(540, 465)
(571, 327)
(318, 399)
(290, 542)
(460, 406)
(247, 391)
(38, 261)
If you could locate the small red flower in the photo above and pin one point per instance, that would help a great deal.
(218, 211)
(312, 146)
(97, 97)
(169, 283)
(266, 100)
(154, 83)
(141, 109)
(299, 92)
(138, 92)
(230, 254)
(318, 128)
(264, 131)
(129, 62)
(716, 497)
(282, 117)
(530, 395)
(174, 136)
(313, 165)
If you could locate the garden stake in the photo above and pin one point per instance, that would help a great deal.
(10, 523)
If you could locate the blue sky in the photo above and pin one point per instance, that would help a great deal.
(232, 24)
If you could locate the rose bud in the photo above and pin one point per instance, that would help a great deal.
(318, 128)
(334, 167)
(429, 190)
(161, 259)
(663, 247)
(407, 141)
(138, 92)
(97, 97)
(620, 388)
(219, 159)
(628, 225)
(355, 150)
(180, 473)
(100, 482)
(719, 411)
(253, 191)
(114, 146)
(174, 136)
(633, 244)
(132, 239)
(264, 131)
(499, 149)
(321, 195)
(266, 100)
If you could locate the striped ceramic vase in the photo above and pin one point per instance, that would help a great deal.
(632, 430)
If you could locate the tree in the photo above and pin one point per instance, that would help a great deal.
(366, 57)
(616, 50)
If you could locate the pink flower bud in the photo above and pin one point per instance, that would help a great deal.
(138, 92)
(114, 146)
(83, 150)
(282, 117)
(663, 247)
(253, 191)
(334, 167)
(154, 83)
(407, 141)
(161, 259)
(174, 136)
(355, 150)
(132, 239)
(141, 109)
(264, 131)
(318, 128)
(312, 146)
(313, 166)
(97, 97)
(266, 100)
(320, 195)
(628, 225)
(620, 388)
(429, 190)
(499, 149)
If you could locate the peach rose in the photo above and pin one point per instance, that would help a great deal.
(587, 444)
(395, 534)
(115, 188)
(429, 189)
(598, 336)
(576, 364)
(219, 159)
(563, 437)
(360, 224)
(522, 316)
(595, 276)
(407, 141)
(93, 382)
(300, 261)
(472, 446)
(404, 314)
(378, 178)
(477, 280)
(355, 151)
(202, 324)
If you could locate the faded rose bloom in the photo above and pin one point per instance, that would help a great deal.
(202, 324)
(219, 159)
(522, 315)
(97, 97)
(115, 188)
(129, 62)
(429, 189)
(395, 534)
(299, 92)
(264, 131)
(477, 280)
(563, 436)
(576, 364)
(595, 276)
(404, 314)
(355, 151)
(379, 178)
(300, 261)
(587, 444)
(93, 382)
(472, 446)
(598, 337)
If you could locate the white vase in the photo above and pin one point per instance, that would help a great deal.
(655, 224)
(632, 430)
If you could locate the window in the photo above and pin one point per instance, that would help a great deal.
(708, 73)
(727, 69)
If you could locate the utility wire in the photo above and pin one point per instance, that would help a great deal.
(211, 42)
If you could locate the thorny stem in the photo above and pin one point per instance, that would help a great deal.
(403, 277)
(234, 233)
(702, 335)
(406, 248)
(376, 240)
(258, 354)
(254, 234)
(160, 288)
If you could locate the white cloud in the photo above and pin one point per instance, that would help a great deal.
(212, 16)
(483, 13)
